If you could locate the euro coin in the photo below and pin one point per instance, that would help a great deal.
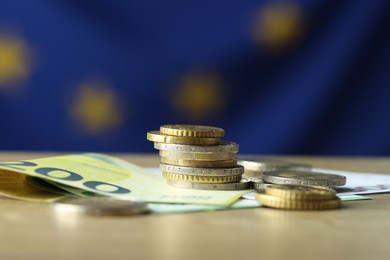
(282, 203)
(194, 163)
(237, 170)
(243, 185)
(202, 179)
(199, 156)
(258, 183)
(262, 164)
(304, 178)
(253, 179)
(100, 206)
(260, 186)
(223, 147)
(156, 136)
(252, 174)
(192, 130)
(300, 192)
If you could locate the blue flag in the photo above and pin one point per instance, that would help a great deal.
(281, 77)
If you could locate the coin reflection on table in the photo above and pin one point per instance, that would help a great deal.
(100, 206)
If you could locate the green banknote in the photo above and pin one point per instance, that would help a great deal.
(110, 176)
(154, 208)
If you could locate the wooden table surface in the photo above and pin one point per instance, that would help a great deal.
(360, 230)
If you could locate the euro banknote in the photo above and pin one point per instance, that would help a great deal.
(114, 177)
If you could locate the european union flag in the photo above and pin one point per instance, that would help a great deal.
(281, 77)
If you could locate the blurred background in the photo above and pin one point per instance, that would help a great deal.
(281, 77)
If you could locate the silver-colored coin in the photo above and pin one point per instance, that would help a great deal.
(243, 185)
(202, 171)
(100, 206)
(200, 164)
(224, 147)
(257, 183)
(199, 156)
(304, 178)
(252, 174)
(259, 186)
(270, 164)
(253, 179)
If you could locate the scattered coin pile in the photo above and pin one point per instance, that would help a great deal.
(291, 177)
(263, 171)
(255, 167)
(298, 197)
(195, 157)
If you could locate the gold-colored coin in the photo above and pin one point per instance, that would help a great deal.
(199, 156)
(201, 179)
(202, 164)
(192, 130)
(242, 185)
(300, 192)
(282, 203)
(156, 136)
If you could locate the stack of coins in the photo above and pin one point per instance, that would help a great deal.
(299, 197)
(195, 157)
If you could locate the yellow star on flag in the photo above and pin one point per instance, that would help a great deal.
(96, 108)
(199, 96)
(15, 62)
(278, 24)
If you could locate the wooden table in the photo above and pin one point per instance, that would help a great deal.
(360, 230)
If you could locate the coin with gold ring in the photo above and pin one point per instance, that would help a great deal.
(199, 156)
(237, 170)
(223, 147)
(192, 130)
(194, 163)
(242, 185)
(156, 136)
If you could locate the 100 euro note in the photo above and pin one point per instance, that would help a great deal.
(116, 178)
